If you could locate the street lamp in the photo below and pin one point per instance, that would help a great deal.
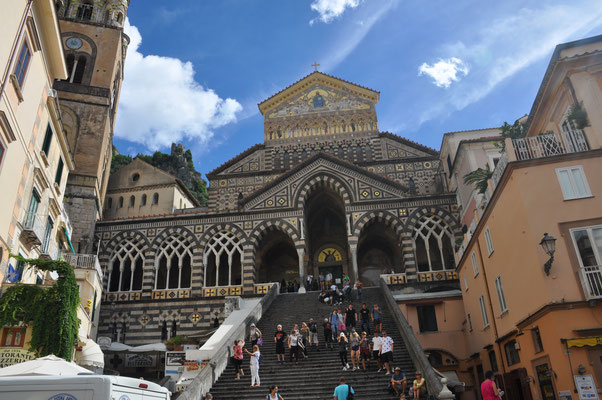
(548, 243)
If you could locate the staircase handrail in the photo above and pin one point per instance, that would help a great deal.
(218, 363)
(433, 382)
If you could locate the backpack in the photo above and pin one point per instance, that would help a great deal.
(260, 360)
(349, 394)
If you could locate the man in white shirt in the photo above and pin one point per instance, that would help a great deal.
(376, 349)
(386, 352)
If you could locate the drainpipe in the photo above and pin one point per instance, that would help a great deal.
(14, 48)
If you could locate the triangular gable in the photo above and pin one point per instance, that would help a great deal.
(148, 175)
(398, 147)
(330, 85)
(362, 185)
(249, 160)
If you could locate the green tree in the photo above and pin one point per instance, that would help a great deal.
(479, 178)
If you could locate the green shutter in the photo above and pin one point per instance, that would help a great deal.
(59, 172)
(47, 140)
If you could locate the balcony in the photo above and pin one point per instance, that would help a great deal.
(591, 278)
(549, 145)
(50, 250)
(34, 227)
(83, 261)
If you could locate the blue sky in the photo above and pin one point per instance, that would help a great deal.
(196, 70)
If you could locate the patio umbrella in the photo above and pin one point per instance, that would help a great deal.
(46, 366)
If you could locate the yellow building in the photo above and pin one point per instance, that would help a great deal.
(531, 318)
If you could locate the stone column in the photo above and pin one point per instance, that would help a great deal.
(301, 254)
(353, 248)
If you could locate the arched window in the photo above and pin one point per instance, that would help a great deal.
(85, 11)
(143, 200)
(125, 267)
(78, 75)
(156, 198)
(120, 202)
(119, 17)
(173, 263)
(109, 203)
(70, 60)
(223, 260)
(132, 201)
(433, 245)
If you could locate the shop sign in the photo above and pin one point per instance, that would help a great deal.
(586, 387)
(175, 358)
(9, 356)
(140, 360)
(565, 395)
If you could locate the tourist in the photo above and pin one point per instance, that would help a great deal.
(347, 292)
(341, 320)
(365, 350)
(358, 290)
(254, 365)
(365, 319)
(343, 351)
(334, 320)
(283, 286)
(419, 384)
(279, 339)
(386, 352)
(377, 318)
(489, 389)
(329, 279)
(350, 317)
(304, 338)
(208, 396)
(323, 297)
(237, 357)
(341, 392)
(346, 279)
(327, 333)
(291, 287)
(376, 341)
(313, 334)
(354, 340)
(399, 382)
(309, 282)
(254, 335)
(274, 395)
(293, 345)
(322, 280)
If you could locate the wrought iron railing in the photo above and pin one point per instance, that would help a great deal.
(32, 222)
(83, 261)
(549, 145)
(591, 278)
(50, 249)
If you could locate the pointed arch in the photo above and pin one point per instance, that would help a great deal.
(173, 259)
(321, 180)
(385, 217)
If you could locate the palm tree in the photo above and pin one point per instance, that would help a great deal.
(479, 178)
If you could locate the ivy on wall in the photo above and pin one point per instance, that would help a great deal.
(51, 311)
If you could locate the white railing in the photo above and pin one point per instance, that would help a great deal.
(32, 222)
(50, 249)
(591, 278)
(549, 145)
(83, 261)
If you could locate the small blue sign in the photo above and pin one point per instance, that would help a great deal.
(124, 397)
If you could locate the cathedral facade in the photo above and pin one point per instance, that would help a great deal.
(326, 192)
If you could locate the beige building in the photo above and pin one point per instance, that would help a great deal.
(533, 312)
(139, 189)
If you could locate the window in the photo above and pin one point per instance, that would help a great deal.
(109, 203)
(120, 202)
(47, 140)
(465, 284)
(173, 263)
(469, 319)
(13, 337)
(80, 69)
(126, 267)
(500, 294)
(433, 245)
(156, 198)
(483, 312)
(493, 360)
(449, 165)
(84, 12)
(135, 177)
(537, 343)
(588, 243)
(475, 266)
(427, 318)
(32, 210)
(512, 355)
(47, 235)
(22, 63)
(573, 182)
(59, 172)
(222, 259)
(488, 241)
(143, 200)
(132, 201)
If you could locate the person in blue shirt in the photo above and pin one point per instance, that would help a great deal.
(399, 382)
(342, 391)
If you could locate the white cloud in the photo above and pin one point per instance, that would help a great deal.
(444, 72)
(161, 102)
(331, 9)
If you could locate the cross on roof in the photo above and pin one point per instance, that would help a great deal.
(315, 65)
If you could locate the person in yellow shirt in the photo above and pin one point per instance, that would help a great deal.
(418, 385)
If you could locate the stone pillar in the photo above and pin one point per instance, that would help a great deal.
(353, 248)
(301, 254)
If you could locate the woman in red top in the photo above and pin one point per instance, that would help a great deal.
(489, 390)
(237, 357)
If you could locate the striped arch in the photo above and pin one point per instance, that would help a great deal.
(378, 216)
(322, 180)
(445, 215)
(209, 233)
(108, 251)
(174, 230)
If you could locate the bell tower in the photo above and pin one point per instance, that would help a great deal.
(95, 49)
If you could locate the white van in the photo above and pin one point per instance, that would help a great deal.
(80, 387)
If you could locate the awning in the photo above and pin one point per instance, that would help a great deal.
(68, 240)
(90, 356)
(589, 341)
(120, 347)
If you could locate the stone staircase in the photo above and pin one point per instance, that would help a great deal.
(317, 376)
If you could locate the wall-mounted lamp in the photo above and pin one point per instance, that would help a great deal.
(548, 243)
(581, 369)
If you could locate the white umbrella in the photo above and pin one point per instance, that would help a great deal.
(91, 355)
(46, 366)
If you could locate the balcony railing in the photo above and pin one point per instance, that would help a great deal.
(50, 250)
(591, 277)
(83, 261)
(549, 145)
(34, 227)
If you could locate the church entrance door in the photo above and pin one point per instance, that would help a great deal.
(379, 252)
(277, 259)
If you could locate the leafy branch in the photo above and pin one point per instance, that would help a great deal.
(479, 178)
